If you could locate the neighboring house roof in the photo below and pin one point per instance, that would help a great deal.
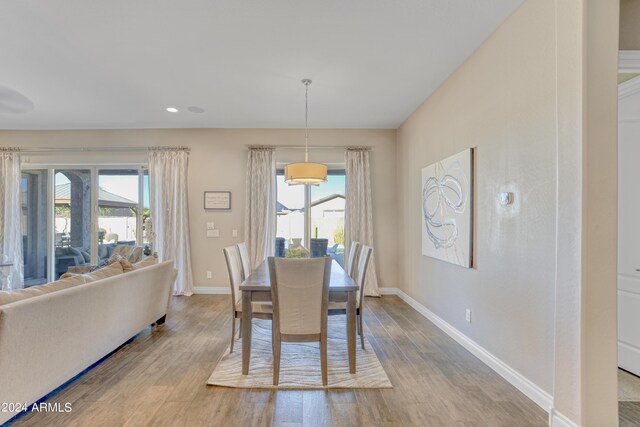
(280, 208)
(105, 198)
(326, 199)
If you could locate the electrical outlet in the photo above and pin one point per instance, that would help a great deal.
(467, 315)
(234, 233)
(209, 275)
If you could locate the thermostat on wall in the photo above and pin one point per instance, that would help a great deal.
(506, 198)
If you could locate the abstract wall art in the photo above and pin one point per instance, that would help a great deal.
(447, 209)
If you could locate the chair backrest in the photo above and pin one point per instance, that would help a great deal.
(244, 260)
(319, 247)
(300, 294)
(361, 269)
(354, 251)
(235, 276)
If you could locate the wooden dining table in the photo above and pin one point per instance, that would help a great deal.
(257, 287)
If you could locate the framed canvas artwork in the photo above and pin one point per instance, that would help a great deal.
(447, 209)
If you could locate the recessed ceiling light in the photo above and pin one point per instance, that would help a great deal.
(197, 110)
(172, 109)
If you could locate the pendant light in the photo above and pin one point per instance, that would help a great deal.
(306, 172)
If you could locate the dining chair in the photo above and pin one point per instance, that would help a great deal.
(244, 259)
(354, 251)
(259, 310)
(300, 295)
(360, 274)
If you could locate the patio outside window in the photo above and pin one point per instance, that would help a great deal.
(93, 211)
(314, 214)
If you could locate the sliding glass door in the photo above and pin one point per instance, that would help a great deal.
(77, 216)
(120, 214)
(34, 225)
(72, 219)
(327, 217)
(313, 214)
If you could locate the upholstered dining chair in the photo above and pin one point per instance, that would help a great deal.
(354, 251)
(259, 310)
(244, 259)
(300, 295)
(360, 273)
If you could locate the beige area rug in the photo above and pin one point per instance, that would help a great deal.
(628, 387)
(300, 362)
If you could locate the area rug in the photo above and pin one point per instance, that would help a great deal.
(300, 362)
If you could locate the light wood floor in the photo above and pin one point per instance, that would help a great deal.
(159, 379)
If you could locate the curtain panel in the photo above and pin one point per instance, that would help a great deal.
(260, 204)
(10, 216)
(168, 173)
(359, 210)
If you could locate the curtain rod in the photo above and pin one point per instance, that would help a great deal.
(31, 150)
(314, 147)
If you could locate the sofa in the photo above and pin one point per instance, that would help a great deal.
(53, 332)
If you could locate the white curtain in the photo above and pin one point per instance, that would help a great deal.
(10, 215)
(260, 206)
(359, 212)
(170, 212)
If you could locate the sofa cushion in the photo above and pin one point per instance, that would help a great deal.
(146, 262)
(86, 256)
(131, 253)
(7, 297)
(101, 273)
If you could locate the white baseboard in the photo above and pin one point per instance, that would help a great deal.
(556, 419)
(212, 290)
(532, 391)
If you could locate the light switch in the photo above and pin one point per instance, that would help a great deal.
(213, 233)
(211, 226)
(234, 233)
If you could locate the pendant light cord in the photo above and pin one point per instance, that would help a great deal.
(306, 82)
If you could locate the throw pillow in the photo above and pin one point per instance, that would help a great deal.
(103, 273)
(148, 261)
(126, 265)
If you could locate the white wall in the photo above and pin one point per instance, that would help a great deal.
(218, 162)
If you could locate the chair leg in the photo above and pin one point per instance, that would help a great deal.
(357, 325)
(276, 360)
(233, 333)
(323, 359)
(361, 330)
(240, 329)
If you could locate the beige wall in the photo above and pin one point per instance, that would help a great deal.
(502, 102)
(218, 162)
(629, 24)
(538, 102)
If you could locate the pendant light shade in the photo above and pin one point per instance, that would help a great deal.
(306, 173)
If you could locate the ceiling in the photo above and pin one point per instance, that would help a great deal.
(79, 64)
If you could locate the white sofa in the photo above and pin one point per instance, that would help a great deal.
(46, 340)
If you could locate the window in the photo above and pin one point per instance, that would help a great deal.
(92, 210)
(314, 214)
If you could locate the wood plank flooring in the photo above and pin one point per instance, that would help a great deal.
(158, 379)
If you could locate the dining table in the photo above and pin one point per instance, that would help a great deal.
(257, 288)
